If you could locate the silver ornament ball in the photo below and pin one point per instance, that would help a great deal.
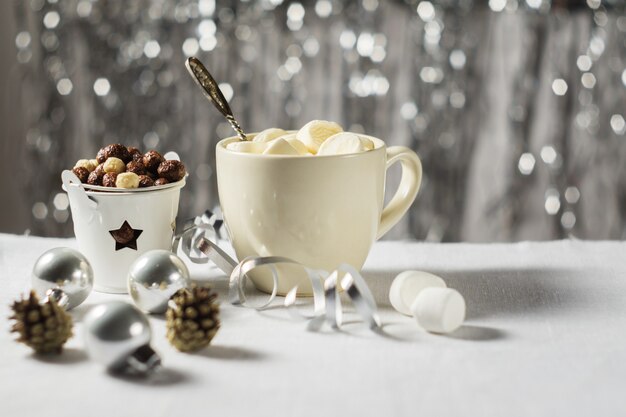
(64, 274)
(117, 335)
(154, 277)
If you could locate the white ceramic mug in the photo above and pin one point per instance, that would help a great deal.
(318, 210)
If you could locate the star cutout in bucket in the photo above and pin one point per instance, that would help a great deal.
(125, 236)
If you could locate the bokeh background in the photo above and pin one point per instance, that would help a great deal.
(516, 107)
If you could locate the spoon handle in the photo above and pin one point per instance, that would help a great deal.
(211, 90)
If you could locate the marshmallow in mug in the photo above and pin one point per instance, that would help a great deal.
(318, 137)
(436, 308)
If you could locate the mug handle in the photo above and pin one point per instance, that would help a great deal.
(407, 190)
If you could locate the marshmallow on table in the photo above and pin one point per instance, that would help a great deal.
(439, 310)
(314, 133)
(345, 143)
(407, 285)
(436, 308)
(269, 135)
(280, 147)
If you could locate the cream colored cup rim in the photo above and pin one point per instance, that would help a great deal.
(378, 145)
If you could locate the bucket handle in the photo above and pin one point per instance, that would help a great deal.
(74, 188)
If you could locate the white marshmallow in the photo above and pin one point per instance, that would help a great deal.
(269, 135)
(246, 147)
(345, 143)
(439, 310)
(314, 133)
(407, 285)
(299, 146)
(280, 147)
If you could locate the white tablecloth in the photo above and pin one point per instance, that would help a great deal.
(545, 336)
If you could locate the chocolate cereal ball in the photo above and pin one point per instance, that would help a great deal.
(136, 167)
(145, 181)
(115, 150)
(171, 170)
(82, 173)
(95, 178)
(161, 181)
(152, 160)
(135, 153)
(109, 179)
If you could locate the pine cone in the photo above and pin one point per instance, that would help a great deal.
(192, 318)
(44, 327)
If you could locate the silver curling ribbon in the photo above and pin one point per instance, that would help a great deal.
(197, 241)
(326, 291)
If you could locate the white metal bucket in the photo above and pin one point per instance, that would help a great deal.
(146, 214)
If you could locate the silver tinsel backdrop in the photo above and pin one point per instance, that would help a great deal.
(516, 107)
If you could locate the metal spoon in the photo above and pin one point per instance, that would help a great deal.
(203, 78)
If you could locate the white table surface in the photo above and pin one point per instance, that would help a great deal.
(545, 336)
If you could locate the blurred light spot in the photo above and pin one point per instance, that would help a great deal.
(323, 8)
(446, 140)
(61, 216)
(378, 54)
(24, 56)
(594, 4)
(548, 154)
(408, 110)
(431, 75)
(559, 86)
(227, 90)
(457, 59)
(51, 19)
(22, 40)
(64, 86)
(151, 140)
(311, 47)
(152, 49)
(526, 163)
(190, 46)
(588, 80)
(101, 87)
(207, 27)
(208, 43)
(40, 211)
(572, 195)
(596, 46)
(457, 99)
(206, 7)
(347, 39)
(283, 74)
(295, 12)
(584, 63)
(497, 5)
(534, 4)
(60, 201)
(552, 202)
(618, 124)
(624, 77)
(426, 11)
(370, 5)
(293, 65)
(293, 108)
(365, 44)
(568, 220)
(203, 172)
(83, 8)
